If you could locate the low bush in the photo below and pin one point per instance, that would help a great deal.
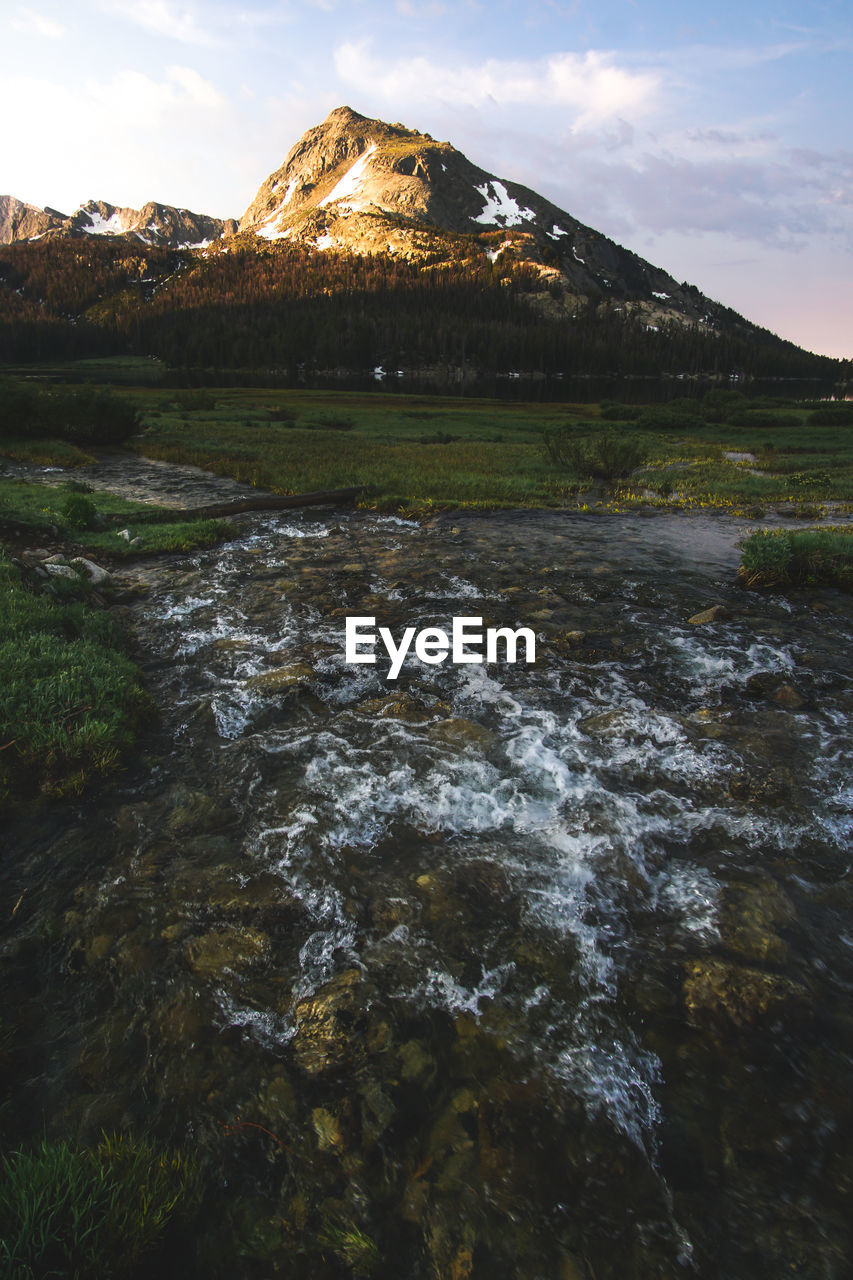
(762, 418)
(613, 412)
(606, 457)
(78, 511)
(72, 700)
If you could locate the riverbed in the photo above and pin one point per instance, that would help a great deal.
(509, 970)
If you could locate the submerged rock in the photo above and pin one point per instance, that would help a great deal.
(717, 613)
(402, 706)
(281, 678)
(720, 995)
(226, 951)
(459, 733)
(750, 916)
(324, 1040)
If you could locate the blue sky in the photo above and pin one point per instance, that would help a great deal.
(712, 139)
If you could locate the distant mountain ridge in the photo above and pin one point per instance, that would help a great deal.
(153, 224)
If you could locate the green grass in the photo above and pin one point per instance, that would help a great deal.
(79, 1213)
(71, 700)
(801, 558)
(38, 507)
(44, 453)
(422, 452)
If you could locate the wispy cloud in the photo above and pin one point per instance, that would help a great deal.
(35, 23)
(162, 19)
(593, 85)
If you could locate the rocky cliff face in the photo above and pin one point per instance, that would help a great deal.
(360, 185)
(21, 221)
(153, 224)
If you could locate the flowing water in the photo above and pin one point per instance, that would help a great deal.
(519, 971)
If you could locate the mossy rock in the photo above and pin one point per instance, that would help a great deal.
(721, 995)
(326, 1039)
(462, 734)
(226, 951)
(280, 678)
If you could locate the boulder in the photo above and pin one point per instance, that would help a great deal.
(97, 576)
(61, 571)
(324, 1042)
(280, 678)
(717, 613)
(722, 995)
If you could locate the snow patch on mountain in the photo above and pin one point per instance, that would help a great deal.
(100, 226)
(351, 181)
(500, 206)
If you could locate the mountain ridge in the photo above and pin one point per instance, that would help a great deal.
(355, 184)
(354, 187)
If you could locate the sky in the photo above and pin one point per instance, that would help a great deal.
(712, 139)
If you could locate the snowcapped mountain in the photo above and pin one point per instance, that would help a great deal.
(153, 224)
(359, 185)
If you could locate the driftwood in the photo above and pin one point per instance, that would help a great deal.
(263, 502)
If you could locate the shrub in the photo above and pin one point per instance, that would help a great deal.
(607, 457)
(762, 418)
(78, 511)
(673, 417)
(613, 412)
(83, 415)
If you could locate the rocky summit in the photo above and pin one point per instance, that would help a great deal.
(363, 186)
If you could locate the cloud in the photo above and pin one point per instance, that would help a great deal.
(156, 138)
(592, 84)
(30, 21)
(161, 18)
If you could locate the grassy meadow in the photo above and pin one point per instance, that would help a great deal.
(418, 453)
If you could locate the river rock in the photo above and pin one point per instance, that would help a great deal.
(226, 951)
(400, 706)
(461, 734)
(280, 678)
(97, 576)
(717, 613)
(722, 995)
(750, 916)
(324, 1042)
(61, 571)
(761, 684)
(327, 1127)
(787, 696)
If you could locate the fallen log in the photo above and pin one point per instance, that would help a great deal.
(263, 502)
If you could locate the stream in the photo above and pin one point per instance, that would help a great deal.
(511, 970)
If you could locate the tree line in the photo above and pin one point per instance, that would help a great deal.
(291, 309)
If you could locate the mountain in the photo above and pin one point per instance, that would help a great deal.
(362, 186)
(21, 221)
(153, 224)
(373, 247)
